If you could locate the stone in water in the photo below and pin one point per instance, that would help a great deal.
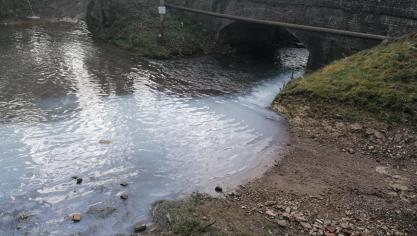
(103, 141)
(218, 189)
(76, 217)
(123, 195)
(140, 227)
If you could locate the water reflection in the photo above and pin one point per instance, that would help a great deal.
(174, 126)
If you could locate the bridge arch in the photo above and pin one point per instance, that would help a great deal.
(264, 40)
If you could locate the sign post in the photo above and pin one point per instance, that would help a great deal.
(162, 10)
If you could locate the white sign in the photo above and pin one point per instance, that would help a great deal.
(162, 10)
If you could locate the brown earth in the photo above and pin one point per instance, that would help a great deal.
(336, 178)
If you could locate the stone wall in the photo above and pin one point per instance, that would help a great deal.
(384, 17)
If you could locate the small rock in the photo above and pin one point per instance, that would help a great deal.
(270, 212)
(282, 223)
(270, 203)
(79, 180)
(319, 221)
(382, 170)
(103, 141)
(378, 135)
(356, 127)
(123, 195)
(399, 187)
(351, 151)
(344, 225)
(124, 184)
(218, 189)
(331, 229)
(305, 225)
(300, 218)
(76, 217)
(286, 215)
(140, 227)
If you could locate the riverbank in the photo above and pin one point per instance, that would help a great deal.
(350, 167)
(136, 27)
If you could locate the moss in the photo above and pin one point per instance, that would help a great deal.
(381, 82)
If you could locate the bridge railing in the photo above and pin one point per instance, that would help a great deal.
(281, 24)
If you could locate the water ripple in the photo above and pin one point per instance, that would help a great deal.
(70, 106)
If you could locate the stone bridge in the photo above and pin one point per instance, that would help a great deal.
(382, 17)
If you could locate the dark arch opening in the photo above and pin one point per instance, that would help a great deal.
(260, 41)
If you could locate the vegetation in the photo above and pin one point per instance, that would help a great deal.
(136, 26)
(179, 218)
(13, 8)
(380, 82)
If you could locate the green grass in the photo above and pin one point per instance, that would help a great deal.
(189, 226)
(381, 81)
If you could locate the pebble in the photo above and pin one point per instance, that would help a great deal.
(356, 126)
(305, 225)
(76, 217)
(79, 180)
(270, 212)
(270, 203)
(398, 187)
(351, 151)
(282, 223)
(140, 227)
(288, 209)
(344, 225)
(104, 141)
(124, 184)
(331, 229)
(123, 195)
(218, 189)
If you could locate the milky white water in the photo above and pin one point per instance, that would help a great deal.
(169, 127)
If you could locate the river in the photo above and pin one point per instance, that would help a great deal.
(70, 106)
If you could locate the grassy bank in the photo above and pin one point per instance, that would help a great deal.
(377, 83)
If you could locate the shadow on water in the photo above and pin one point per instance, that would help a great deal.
(169, 127)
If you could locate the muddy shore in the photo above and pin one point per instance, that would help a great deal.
(336, 178)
